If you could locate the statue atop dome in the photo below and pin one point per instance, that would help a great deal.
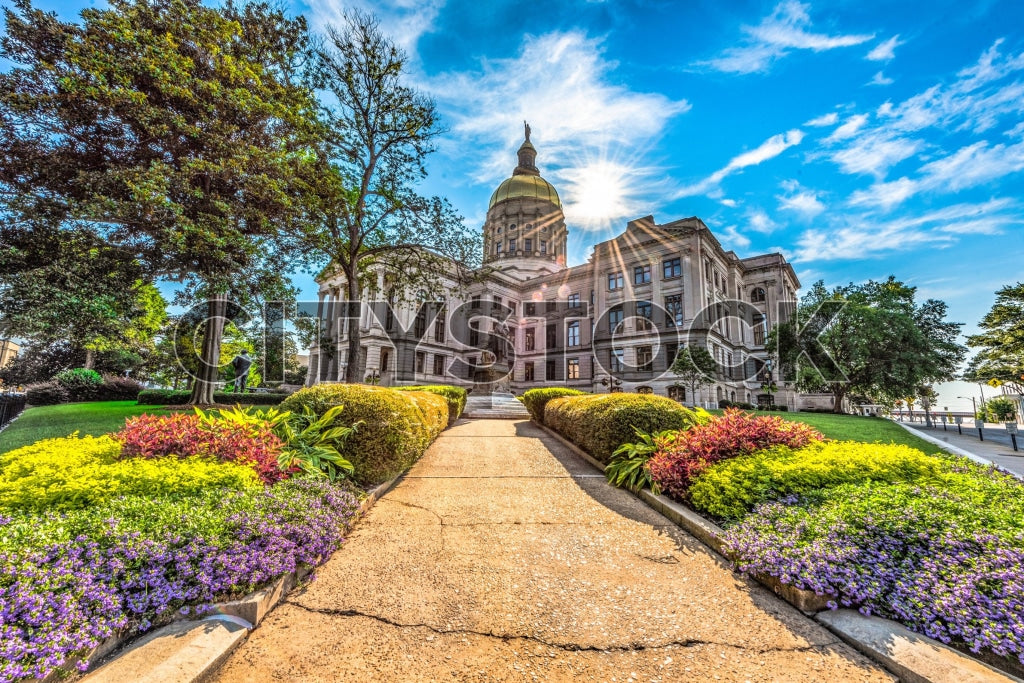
(527, 127)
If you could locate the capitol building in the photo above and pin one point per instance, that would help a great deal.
(614, 323)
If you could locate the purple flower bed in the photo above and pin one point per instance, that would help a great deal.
(945, 560)
(58, 599)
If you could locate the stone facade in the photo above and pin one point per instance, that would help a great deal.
(613, 323)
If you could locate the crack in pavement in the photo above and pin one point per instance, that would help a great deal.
(565, 647)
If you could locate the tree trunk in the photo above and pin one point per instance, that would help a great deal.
(202, 387)
(354, 333)
(90, 359)
(837, 401)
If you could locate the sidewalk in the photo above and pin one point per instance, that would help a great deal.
(995, 448)
(504, 557)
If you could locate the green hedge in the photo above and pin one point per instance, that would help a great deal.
(170, 397)
(600, 423)
(732, 488)
(433, 412)
(536, 399)
(456, 397)
(394, 434)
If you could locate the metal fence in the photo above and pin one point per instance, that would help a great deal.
(11, 406)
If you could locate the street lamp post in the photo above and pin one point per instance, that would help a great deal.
(974, 404)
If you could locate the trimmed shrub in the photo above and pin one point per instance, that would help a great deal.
(73, 473)
(733, 434)
(116, 388)
(433, 411)
(732, 488)
(78, 380)
(536, 399)
(456, 397)
(600, 423)
(170, 397)
(184, 435)
(392, 437)
(46, 394)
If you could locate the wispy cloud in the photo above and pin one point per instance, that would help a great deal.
(848, 129)
(880, 79)
(769, 149)
(874, 152)
(885, 51)
(829, 119)
(800, 200)
(782, 31)
(937, 229)
(404, 21)
(589, 131)
(733, 237)
(759, 221)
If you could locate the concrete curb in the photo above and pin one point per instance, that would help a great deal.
(912, 657)
(189, 651)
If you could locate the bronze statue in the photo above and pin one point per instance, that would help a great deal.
(527, 127)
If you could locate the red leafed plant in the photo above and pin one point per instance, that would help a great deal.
(679, 461)
(181, 435)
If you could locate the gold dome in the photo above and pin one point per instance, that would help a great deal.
(525, 186)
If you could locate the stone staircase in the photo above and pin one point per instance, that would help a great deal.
(494, 406)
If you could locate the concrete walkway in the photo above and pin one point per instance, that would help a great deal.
(503, 557)
(995, 448)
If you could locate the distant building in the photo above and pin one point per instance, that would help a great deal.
(613, 323)
(8, 351)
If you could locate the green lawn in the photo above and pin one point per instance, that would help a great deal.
(48, 422)
(856, 428)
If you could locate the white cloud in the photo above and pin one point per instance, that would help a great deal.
(731, 203)
(866, 236)
(769, 149)
(828, 119)
(885, 51)
(802, 201)
(785, 29)
(885, 195)
(761, 222)
(589, 131)
(848, 129)
(734, 238)
(404, 21)
(874, 152)
(880, 79)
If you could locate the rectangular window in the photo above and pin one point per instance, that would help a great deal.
(529, 308)
(543, 246)
(474, 334)
(420, 324)
(528, 372)
(551, 336)
(550, 371)
(644, 359)
(614, 318)
(671, 351)
(574, 300)
(550, 306)
(497, 301)
(674, 310)
(512, 245)
(528, 245)
(641, 275)
(615, 281)
(439, 325)
(616, 358)
(671, 268)
(475, 301)
(573, 369)
(644, 313)
(530, 340)
(438, 364)
(572, 337)
(497, 247)
(421, 362)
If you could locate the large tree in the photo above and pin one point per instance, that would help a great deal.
(176, 129)
(1001, 341)
(696, 368)
(68, 285)
(871, 339)
(363, 206)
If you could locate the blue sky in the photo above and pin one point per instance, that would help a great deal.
(861, 139)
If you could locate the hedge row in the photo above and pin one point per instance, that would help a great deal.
(163, 397)
(600, 423)
(397, 425)
(55, 392)
(536, 399)
(456, 397)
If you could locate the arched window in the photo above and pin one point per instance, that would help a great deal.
(499, 229)
(757, 296)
